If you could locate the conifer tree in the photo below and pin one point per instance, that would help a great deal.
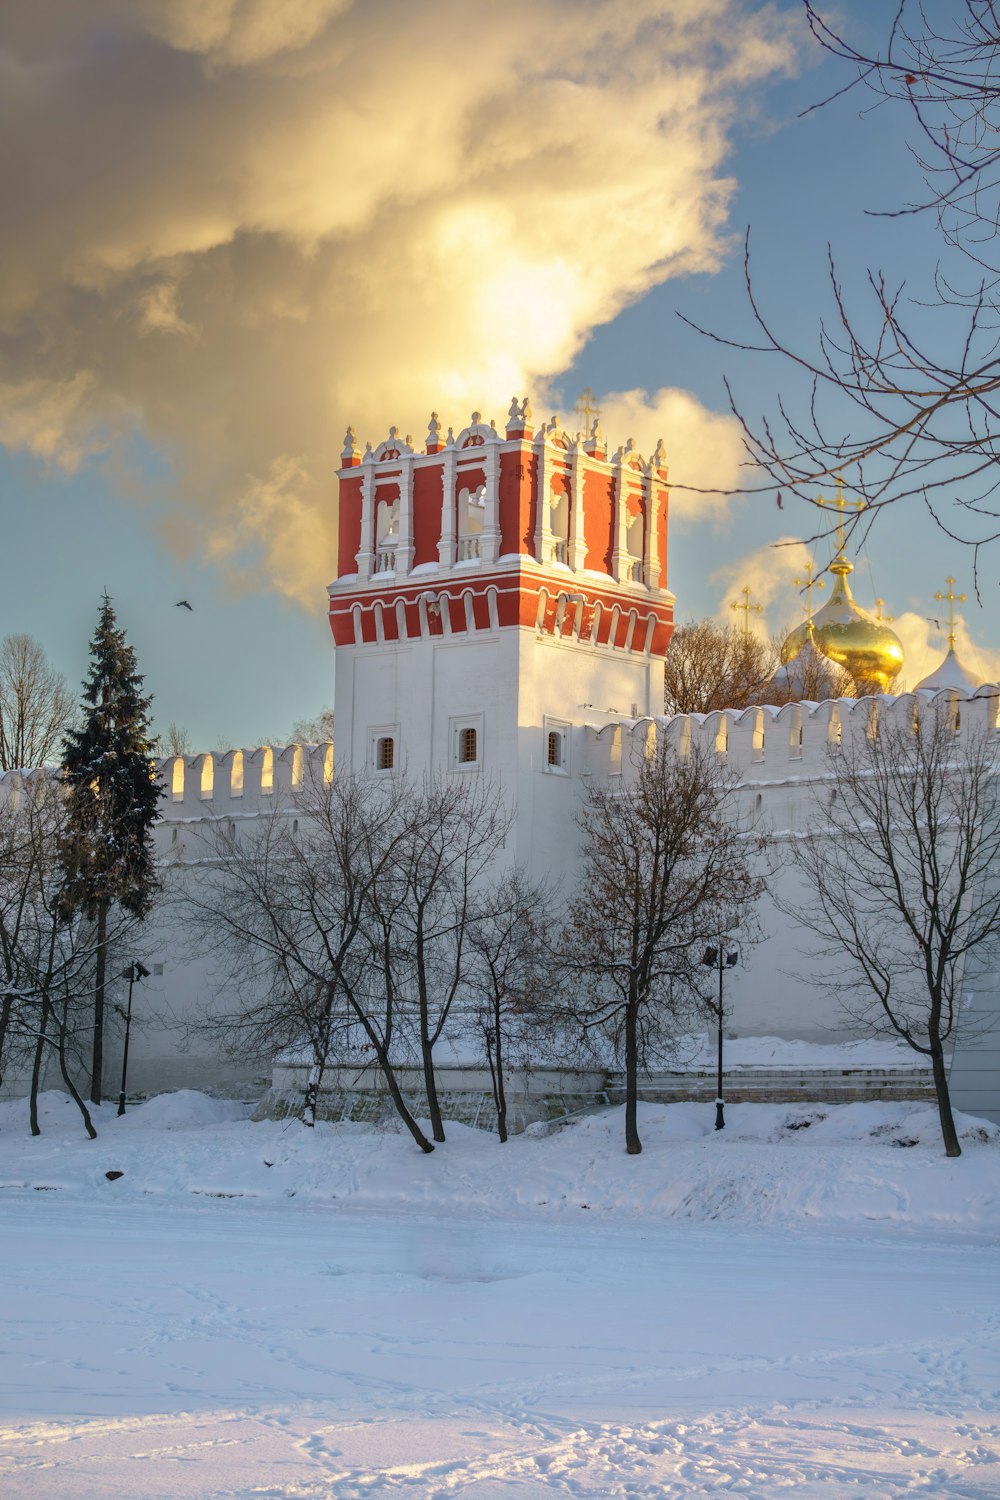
(112, 804)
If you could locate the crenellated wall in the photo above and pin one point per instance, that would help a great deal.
(239, 782)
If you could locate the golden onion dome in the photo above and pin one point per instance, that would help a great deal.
(795, 640)
(854, 639)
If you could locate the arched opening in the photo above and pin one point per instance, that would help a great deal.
(559, 522)
(207, 777)
(385, 753)
(177, 779)
(267, 772)
(471, 517)
(297, 766)
(468, 746)
(236, 775)
(757, 752)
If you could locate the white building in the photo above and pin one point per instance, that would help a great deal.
(501, 609)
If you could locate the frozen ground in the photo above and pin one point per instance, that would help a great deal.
(772, 1309)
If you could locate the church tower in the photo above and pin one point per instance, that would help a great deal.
(496, 594)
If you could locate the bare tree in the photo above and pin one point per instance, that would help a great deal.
(507, 971)
(900, 390)
(36, 706)
(315, 731)
(667, 861)
(47, 962)
(454, 830)
(174, 740)
(290, 901)
(900, 876)
(710, 666)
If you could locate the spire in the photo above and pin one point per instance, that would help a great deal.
(746, 609)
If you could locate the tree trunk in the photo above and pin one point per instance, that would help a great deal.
(633, 1145)
(499, 1090)
(36, 1067)
(430, 1085)
(97, 1060)
(64, 1069)
(400, 1103)
(948, 1132)
(5, 1014)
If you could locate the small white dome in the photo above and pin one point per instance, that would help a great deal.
(948, 674)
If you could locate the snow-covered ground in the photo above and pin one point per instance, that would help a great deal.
(260, 1310)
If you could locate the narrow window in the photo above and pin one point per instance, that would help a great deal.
(385, 753)
(267, 773)
(554, 748)
(207, 777)
(177, 779)
(467, 747)
(757, 752)
(173, 835)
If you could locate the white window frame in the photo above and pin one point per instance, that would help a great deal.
(455, 728)
(383, 732)
(562, 728)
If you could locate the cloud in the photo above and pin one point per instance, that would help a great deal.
(770, 573)
(241, 225)
(704, 448)
(924, 646)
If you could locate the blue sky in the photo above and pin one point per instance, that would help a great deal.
(250, 660)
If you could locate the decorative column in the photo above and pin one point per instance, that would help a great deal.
(489, 542)
(620, 560)
(652, 498)
(543, 510)
(446, 546)
(404, 547)
(366, 557)
(576, 554)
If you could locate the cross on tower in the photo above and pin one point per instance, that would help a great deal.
(882, 619)
(841, 505)
(952, 599)
(587, 410)
(809, 582)
(746, 608)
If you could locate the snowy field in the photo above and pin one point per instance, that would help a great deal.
(263, 1311)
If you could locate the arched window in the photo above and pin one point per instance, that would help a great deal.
(385, 753)
(634, 540)
(236, 775)
(471, 515)
(297, 766)
(267, 772)
(553, 748)
(177, 779)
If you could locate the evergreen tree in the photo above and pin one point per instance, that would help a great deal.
(112, 804)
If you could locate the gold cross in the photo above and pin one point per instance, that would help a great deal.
(746, 608)
(587, 410)
(841, 505)
(883, 619)
(952, 599)
(809, 582)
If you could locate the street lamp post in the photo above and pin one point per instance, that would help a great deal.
(720, 958)
(132, 973)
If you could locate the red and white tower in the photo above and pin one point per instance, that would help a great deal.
(496, 594)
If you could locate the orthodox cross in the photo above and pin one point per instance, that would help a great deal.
(882, 619)
(841, 505)
(587, 410)
(746, 608)
(952, 599)
(809, 582)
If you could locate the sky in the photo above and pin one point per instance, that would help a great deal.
(233, 226)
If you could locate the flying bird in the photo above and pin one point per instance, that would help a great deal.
(780, 501)
(183, 604)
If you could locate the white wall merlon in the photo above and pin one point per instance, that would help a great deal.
(788, 744)
(239, 782)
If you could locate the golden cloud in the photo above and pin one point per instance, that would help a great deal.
(242, 224)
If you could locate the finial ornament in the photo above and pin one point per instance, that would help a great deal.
(513, 412)
(526, 410)
(659, 455)
(477, 417)
(350, 442)
(587, 409)
(841, 505)
(450, 440)
(747, 608)
(808, 583)
(952, 599)
(882, 619)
